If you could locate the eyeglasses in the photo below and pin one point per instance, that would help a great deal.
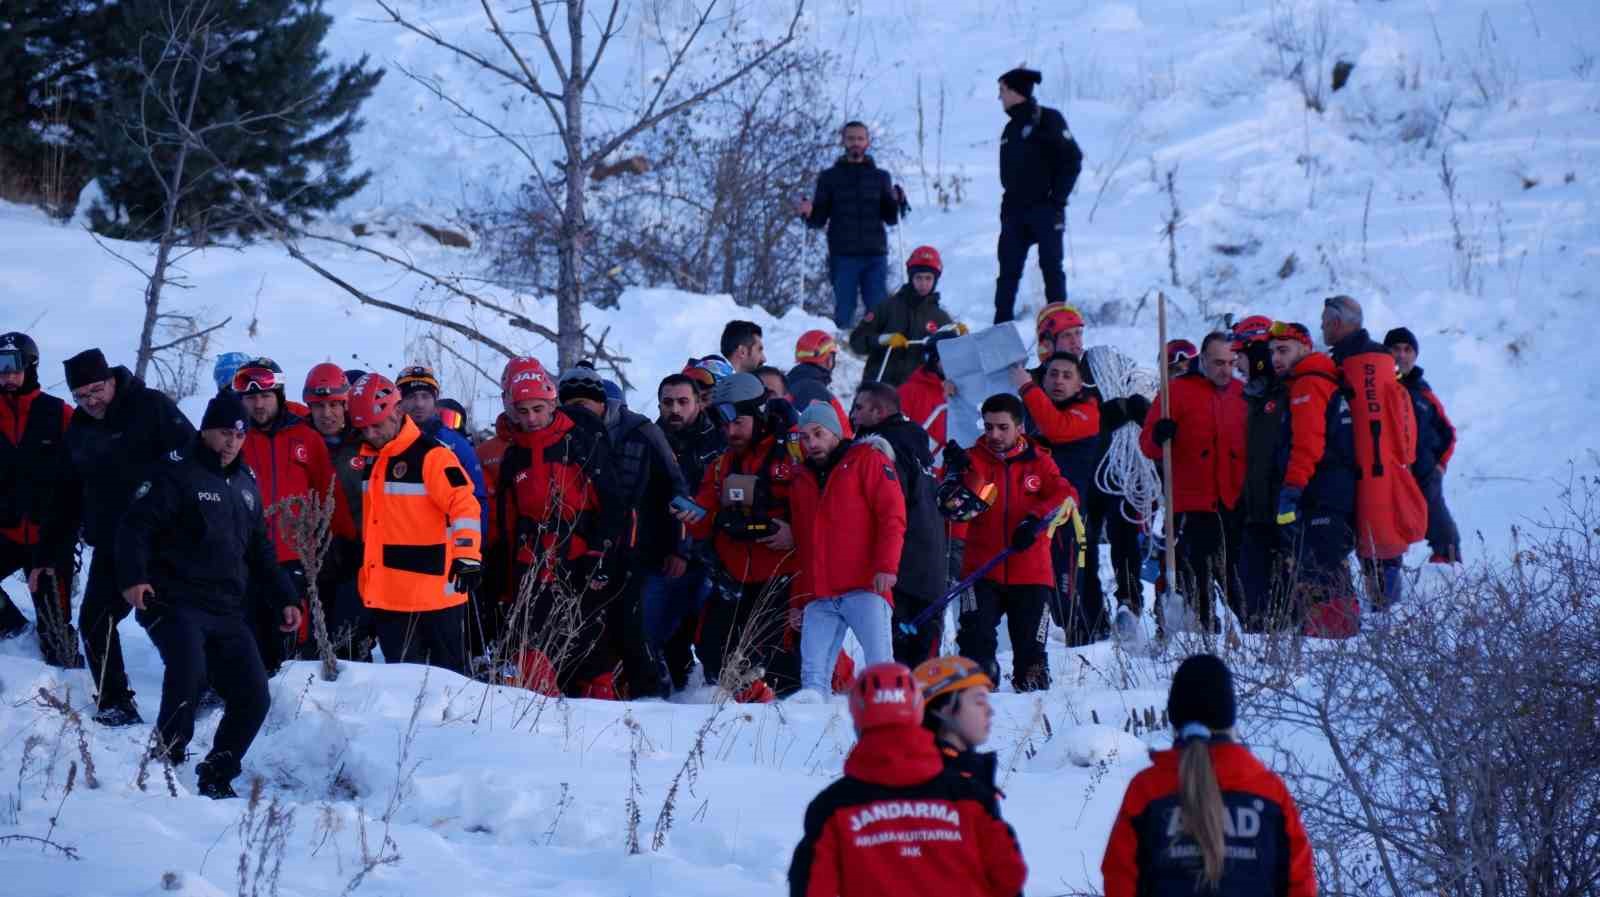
(92, 391)
(451, 418)
(248, 380)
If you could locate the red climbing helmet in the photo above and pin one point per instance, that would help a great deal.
(1055, 318)
(372, 400)
(814, 344)
(526, 380)
(925, 257)
(1250, 330)
(886, 694)
(324, 383)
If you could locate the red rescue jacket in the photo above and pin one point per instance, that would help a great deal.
(1208, 454)
(897, 825)
(289, 457)
(750, 562)
(850, 525)
(923, 402)
(1267, 849)
(544, 505)
(32, 446)
(1312, 384)
(1026, 482)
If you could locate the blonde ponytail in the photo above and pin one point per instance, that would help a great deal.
(1203, 812)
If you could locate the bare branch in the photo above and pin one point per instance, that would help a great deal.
(462, 358)
(198, 334)
(651, 118)
(532, 85)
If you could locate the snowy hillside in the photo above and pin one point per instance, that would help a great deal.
(502, 796)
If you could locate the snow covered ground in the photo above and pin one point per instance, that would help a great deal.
(508, 798)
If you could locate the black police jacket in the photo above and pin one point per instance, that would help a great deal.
(196, 533)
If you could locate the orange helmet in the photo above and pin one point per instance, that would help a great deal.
(325, 383)
(526, 380)
(947, 675)
(1054, 318)
(924, 257)
(372, 400)
(813, 345)
(885, 695)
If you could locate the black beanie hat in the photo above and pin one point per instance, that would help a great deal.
(1021, 80)
(1401, 335)
(1202, 692)
(224, 412)
(86, 367)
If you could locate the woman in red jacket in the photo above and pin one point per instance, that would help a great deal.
(1207, 817)
(896, 825)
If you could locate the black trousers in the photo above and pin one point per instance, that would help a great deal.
(277, 646)
(103, 608)
(913, 648)
(643, 669)
(1024, 610)
(52, 607)
(1263, 593)
(1443, 536)
(1084, 621)
(745, 623)
(433, 637)
(1104, 519)
(1320, 544)
(1207, 553)
(200, 647)
(1040, 225)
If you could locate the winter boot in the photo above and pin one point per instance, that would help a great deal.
(216, 774)
(122, 713)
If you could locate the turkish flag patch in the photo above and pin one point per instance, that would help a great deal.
(1032, 483)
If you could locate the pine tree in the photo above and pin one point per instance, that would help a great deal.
(48, 94)
(275, 119)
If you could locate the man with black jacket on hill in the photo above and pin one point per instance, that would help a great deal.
(121, 428)
(193, 542)
(1039, 164)
(923, 565)
(855, 199)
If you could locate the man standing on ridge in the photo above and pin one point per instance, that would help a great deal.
(855, 199)
(1039, 164)
(1436, 442)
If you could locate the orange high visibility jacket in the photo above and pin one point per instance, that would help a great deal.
(418, 515)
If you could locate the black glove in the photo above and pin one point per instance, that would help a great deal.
(465, 575)
(1113, 413)
(1137, 407)
(1164, 430)
(956, 459)
(900, 200)
(1022, 538)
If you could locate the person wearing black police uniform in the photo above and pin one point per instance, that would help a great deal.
(1039, 164)
(121, 428)
(191, 545)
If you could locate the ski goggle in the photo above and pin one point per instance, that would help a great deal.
(821, 350)
(1181, 352)
(248, 380)
(728, 412)
(11, 362)
(451, 418)
(1284, 330)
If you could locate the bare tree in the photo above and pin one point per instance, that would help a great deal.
(1462, 728)
(555, 62)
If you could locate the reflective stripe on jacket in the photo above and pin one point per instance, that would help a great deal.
(419, 516)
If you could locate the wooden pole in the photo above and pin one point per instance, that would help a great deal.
(1166, 460)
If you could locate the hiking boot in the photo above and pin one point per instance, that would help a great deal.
(216, 789)
(122, 713)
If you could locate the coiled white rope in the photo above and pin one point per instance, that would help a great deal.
(1124, 470)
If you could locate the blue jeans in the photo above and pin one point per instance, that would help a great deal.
(822, 635)
(852, 275)
(669, 603)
